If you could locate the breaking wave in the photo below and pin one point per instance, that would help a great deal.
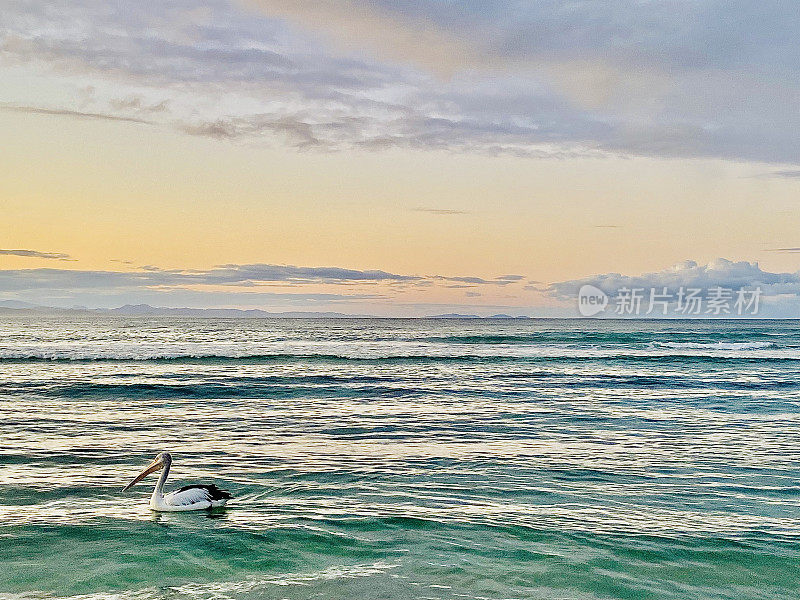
(714, 345)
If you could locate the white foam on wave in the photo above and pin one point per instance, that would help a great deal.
(714, 345)
(248, 588)
(364, 349)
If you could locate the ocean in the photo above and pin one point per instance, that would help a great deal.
(388, 459)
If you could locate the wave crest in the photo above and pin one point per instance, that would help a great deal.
(714, 345)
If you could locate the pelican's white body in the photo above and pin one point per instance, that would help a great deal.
(192, 499)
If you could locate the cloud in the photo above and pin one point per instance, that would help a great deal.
(667, 78)
(232, 275)
(380, 29)
(440, 211)
(510, 278)
(663, 78)
(70, 113)
(265, 272)
(223, 275)
(226, 285)
(473, 281)
(37, 254)
(787, 250)
(688, 274)
(294, 129)
(786, 174)
(138, 104)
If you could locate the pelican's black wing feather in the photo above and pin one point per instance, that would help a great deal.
(212, 491)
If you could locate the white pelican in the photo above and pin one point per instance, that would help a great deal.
(191, 497)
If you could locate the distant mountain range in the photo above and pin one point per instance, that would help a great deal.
(145, 310)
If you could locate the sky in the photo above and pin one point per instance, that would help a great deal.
(397, 158)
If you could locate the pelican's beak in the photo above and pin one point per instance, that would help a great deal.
(154, 466)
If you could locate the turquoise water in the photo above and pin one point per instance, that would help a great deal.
(402, 459)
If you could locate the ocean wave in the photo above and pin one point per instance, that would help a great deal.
(714, 345)
(211, 590)
(477, 354)
(241, 358)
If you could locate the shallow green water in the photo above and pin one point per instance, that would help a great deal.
(402, 459)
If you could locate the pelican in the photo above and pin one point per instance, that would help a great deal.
(190, 497)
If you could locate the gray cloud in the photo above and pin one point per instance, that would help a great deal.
(473, 281)
(36, 254)
(665, 78)
(138, 104)
(689, 274)
(229, 284)
(70, 113)
(440, 211)
(264, 272)
(660, 78)
(151, 276)
(296, 130)
(249, 275)
(510, 278)
(786, 174)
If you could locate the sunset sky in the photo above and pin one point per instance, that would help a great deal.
(396, 158)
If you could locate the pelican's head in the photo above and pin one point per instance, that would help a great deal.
(159, 462)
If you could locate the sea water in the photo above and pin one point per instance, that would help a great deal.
(382, 459)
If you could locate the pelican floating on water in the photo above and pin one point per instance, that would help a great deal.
(190, 497)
